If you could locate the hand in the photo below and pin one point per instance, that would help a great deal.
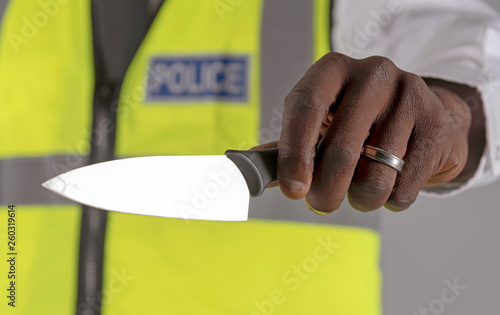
(341, 104)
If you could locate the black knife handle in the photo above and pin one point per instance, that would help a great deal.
(257, 166)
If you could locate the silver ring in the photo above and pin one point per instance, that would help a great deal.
(383, 157)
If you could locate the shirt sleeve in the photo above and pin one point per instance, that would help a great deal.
(452, 40)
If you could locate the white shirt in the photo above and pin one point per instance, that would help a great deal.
(453, 40)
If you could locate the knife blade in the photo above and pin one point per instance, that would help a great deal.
(209, 187)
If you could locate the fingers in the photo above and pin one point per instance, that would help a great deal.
(373, 182)
(422, 163)
(268, 145)
(409, 182)
(339, 150)
(305, 109)
(460, 116)
(437, 149)
(339, 105)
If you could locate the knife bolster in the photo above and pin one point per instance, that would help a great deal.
(257, 166)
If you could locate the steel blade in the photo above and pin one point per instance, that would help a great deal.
(188, 187)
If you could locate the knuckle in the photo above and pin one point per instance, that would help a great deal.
(290, 154)
(337, 65)
(375, 186)
(436, 123)
(337, 59)
(338, 158)
(435, 127)
(414, 91)
(303, 100)
(432, 129)
(411, 101)
(412, 80)
(381, 68)
(416, 86)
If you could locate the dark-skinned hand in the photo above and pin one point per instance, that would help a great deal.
(341, 104)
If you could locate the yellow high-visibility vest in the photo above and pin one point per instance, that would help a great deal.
(211, 102)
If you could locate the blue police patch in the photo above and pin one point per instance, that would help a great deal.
(198, 78)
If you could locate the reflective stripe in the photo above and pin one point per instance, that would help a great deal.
(21, 178)
(3, 5)
(287, 51)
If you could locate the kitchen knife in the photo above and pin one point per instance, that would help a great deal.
(203, 187)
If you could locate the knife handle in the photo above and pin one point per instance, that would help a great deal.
(257, 166)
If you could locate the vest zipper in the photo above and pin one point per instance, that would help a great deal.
(93, 222)
(102, 148)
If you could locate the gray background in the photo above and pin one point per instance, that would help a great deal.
(444, 239)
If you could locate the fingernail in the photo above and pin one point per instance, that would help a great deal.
(393, 208)
(273, 185)
(314, 210)
(293, 186)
